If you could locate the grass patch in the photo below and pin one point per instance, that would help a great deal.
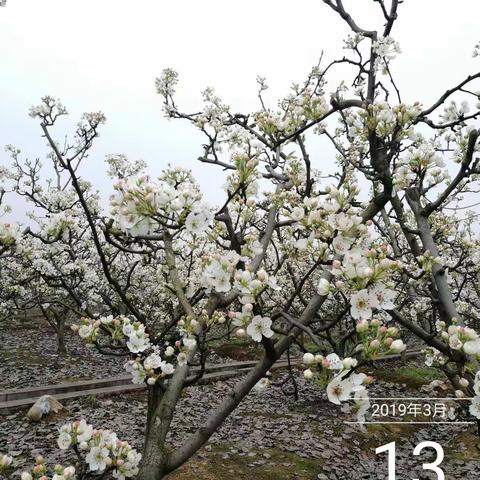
(240, 351)
(410, 375)
(465, 446)
(21, 357)
(268, 464)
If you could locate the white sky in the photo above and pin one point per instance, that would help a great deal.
(105, 55)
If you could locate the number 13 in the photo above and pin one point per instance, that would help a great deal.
(390, 448)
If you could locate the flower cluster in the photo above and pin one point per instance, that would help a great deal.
(384, 120)
(328, 221)
(165, 84)
(9, 234)
(255, 327)
(58, 225)
(364, 301)
(453, 112)
(361, 274)
(461, 338)
(104, 451)
(152, 367)
(434, 357)
(298, 110)
(151, 363)
(48, 110)
(218, 272)
(40, 471)
(421, 162)
(250, 284)
(5, 462)
(138, 340)
(466, 340)
(377, 339)
(141, 205)
(340, 379)
(386, 48)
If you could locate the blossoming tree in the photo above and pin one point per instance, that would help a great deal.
(287, 253)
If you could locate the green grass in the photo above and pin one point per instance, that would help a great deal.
(239, 350)
(410, 375)
(278, 464)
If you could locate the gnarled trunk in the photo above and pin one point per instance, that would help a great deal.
(161, 407)
(153, 450)
(61, 348)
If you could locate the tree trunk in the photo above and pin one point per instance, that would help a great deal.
(153, 451)
(161, 407)
(61, 348)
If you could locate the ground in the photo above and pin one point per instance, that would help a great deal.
(270, 436)
(24, 361)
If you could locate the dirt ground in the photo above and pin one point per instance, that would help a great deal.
(270, 435)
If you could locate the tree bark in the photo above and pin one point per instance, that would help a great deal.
(161, 407)
(61, 348)
(153, 451)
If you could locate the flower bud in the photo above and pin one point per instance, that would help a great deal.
(323, 287)
(336, 264)
(262, 275)
(308, 358)
(375, 344)
(464, 382)
(362, 326)
(5, 461)
(26, 476)
(37, 469)
(318, 358)
(392, 331)
(308, 374)
(397, 346)
(69, 472)
(367, 272)
(349, 363)
(240, 333)
(459, 394)
(194, 324)
(385, 263)
(326, 363)
(248, 307)
(452, 329)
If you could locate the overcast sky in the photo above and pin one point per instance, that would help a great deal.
(105, 55)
